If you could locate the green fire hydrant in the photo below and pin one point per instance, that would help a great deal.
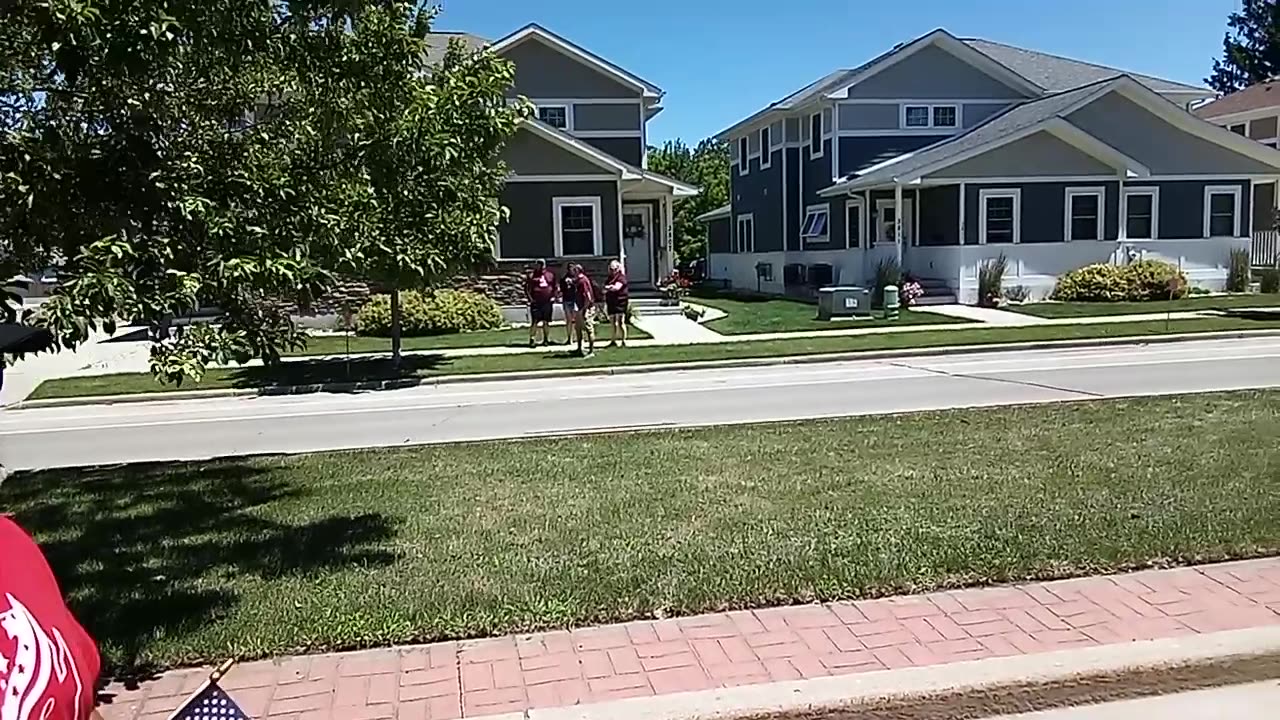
(891, 303)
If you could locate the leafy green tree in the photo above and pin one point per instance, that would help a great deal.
(705, 166)
(1250, 48)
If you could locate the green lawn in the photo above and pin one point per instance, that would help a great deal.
(304, 372)
(1094, 309)
(764, 314)
(509, 337)
(184, 563)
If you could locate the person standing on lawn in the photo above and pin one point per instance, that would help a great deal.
(585, 319)
(540, 291)
(616, 298)
(569, 303)
(48, 663)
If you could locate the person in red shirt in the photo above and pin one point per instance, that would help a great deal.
(617, 296)
(540, 290)
(586, 317)
(48, 663)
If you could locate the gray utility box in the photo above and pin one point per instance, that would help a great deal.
(838, 302)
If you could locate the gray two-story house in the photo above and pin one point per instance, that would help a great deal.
(943, 153)
(579, 189)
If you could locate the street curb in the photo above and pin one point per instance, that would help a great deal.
(375, 385)
(832, 693)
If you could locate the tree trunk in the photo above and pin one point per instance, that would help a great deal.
(395, 327)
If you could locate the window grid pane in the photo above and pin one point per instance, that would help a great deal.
(1138, 220)
(1084, 217)
(944, 116)
(999, 219)
(577, 229)
(1222, 215)
(554, 116)
(917, 116)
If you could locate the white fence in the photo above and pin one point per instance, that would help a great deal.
(1264, 250)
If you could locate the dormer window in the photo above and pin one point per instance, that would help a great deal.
(557, 116)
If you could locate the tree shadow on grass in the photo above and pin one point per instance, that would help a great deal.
(292, 373)
(1255, 315)
(142, 551)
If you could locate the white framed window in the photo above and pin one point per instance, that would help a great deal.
(930, 116)
(1084, 213)
(577, 226)
(1140, 212)
(815, 135)
(765, 144)
(1237, 129)
(815, 226)
(999, 216)
(744, 163)
(744, 239)
(557, 116)
(853, 213)
(1222, 211)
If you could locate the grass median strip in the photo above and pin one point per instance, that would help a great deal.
(305, 372)
(1190, 304)
(506, 337)
(765, 314)
(182, 563)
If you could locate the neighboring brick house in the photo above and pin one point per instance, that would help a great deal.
(945, 152)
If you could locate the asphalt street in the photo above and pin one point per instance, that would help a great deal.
(195, 429)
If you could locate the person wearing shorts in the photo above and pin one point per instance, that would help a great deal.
(569, 303)
(540, 290)
(616, 298)
(585, 320)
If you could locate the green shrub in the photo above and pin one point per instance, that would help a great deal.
(1150, 280)
(1138, 281)
(1269, 281)
(442, 312)
(1238, 271)
(991, 280)
(1092, 283)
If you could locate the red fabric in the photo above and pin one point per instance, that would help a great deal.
(541, 286)
(617, 286)
(48, 663)
(586, 296)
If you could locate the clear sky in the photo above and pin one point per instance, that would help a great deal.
(721, 60)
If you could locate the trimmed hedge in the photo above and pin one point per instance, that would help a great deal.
(1136, 282)
(442, 312)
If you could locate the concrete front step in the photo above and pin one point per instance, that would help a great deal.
(936, 300)
(656, 310)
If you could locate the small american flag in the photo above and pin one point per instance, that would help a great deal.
(211, 702)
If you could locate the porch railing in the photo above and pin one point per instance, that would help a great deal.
(1264, 250)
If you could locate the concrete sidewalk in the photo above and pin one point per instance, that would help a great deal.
(743, 649)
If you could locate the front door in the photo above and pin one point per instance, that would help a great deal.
(885, 217)
(637, 238)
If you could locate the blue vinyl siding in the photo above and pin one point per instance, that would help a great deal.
(759, 192)
(795, 211)
(817, 176)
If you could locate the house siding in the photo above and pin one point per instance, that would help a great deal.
(792, 198)
(543, 72)
(628, 150)
(529, 231)
(1040, 154)
(1182, 207)
(1163, 148)
(857, 153)
(720, 235)
(932, 73)
(606, 116)
(528, 154)
(974, 114)
(816, 174)
(1043, 211)
(759, 193)
(876, 116)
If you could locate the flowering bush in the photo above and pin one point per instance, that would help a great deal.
(911, 291)
(675, 287)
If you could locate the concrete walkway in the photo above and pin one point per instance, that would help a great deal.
(675, 330)
(990, 316)
(647, 659)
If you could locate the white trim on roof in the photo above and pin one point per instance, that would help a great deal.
(953, 45)
(721, 213)
(535, 31)
(581, 149)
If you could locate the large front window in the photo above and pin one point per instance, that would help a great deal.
(999, 212)
(577, 226)
(1084, 213)
(1222, 211)
(1141, 210)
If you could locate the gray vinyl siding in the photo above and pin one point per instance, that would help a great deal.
(1264, 203)
(857, 153)
(606, 116)
(1040, 154)
(627, 149)
(932, 73)
(939, 216)
(792, 197)
(529, 231)
(1182, 206)
(760, 193)
(877, 116)
(543, 72)
(1163, 148)
(975, 113)
(528, 154)
(720, 235)
(1043, 211)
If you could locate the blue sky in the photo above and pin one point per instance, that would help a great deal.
(721, 60)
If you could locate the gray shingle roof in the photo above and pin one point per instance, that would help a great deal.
(1011, 121)
(1055, 73)
(438, 43)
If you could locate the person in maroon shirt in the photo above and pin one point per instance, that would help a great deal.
(586, 317)
(48, 663)
(540, 290)
(617, 296)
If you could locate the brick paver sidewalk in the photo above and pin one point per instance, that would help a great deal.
(514, 673)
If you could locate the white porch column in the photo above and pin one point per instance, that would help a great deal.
(961, 225)
(667, 262)
(897, 221)
(622, 241)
